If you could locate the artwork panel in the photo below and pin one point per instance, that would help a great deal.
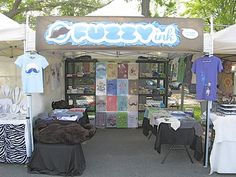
(132, 103)
(111, 103)
(101, 87)
(122, 87)
(122, 103)
(111, 119)
(100, 119)
(133, 87)
(122, 120)
(133, 71)
(101, 70)
(112, 87)
(133, 119)
(122, 70)
(112, 71)
(101, 103)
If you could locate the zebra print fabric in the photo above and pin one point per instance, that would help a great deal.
(12, 143)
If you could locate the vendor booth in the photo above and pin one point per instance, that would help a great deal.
(107, 50)
(223, 114)
(115, 67)
(13, 100)
(13, 104)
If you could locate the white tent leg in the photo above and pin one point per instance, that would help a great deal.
(29, 117)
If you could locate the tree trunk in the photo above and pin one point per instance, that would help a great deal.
(14, 10)
(146, 8)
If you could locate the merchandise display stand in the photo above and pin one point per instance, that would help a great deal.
(153, 83)
(80, 82)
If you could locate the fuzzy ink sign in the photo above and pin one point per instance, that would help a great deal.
(112, 34)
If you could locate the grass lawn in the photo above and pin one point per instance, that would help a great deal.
(196, 111)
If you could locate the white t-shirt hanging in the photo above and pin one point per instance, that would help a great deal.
(32, 65)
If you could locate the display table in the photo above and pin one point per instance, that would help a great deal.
(15, 144)
(183, 136)
(57, 159)
(174, 128)
(222, 157)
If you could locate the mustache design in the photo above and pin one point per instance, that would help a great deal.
(132, 104)
(32, 70)
(59, 32)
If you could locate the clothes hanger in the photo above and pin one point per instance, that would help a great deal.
(207, 54)
(32, 52)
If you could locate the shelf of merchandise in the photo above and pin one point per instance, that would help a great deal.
(153, 83)
(80, 82)
(227, 109)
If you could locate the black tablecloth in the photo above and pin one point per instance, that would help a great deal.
(57, 159)
(182, 136)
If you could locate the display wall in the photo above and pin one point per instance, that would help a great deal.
(53, 85)
(116, 102)
(10, 77)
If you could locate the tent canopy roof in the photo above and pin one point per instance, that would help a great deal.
(12, 37)
(225, 41)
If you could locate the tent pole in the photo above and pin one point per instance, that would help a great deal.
(29, 95)
(29, 117)
(182, 98)
(206, 148)
(209, 103)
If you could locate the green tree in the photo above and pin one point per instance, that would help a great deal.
(145, 6)
(168, 8)
(223, 11)
(16, 9)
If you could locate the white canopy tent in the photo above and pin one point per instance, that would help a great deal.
(13, 36)
(16, 38)
(225, 41)
(119, 8)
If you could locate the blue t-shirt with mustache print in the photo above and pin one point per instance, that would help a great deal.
(32, 65)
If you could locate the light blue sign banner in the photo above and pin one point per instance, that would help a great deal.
(112, 34)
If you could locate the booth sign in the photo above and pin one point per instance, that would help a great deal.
(60, 33)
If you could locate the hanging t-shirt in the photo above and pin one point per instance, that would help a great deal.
(32, 65)
(174, 65)
(181, 70)
(188, 73)
(206, 69)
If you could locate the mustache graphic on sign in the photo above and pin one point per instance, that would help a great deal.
(58, 32)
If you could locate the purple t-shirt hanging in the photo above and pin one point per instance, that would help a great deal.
(206, 69)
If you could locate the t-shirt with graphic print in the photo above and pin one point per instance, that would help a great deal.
(206, 69)
(32, 65)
